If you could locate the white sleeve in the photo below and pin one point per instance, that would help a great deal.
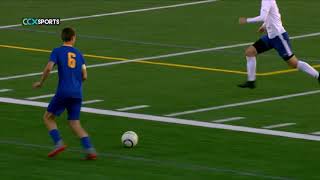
(265, 8)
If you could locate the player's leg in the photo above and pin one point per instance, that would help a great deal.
(49, 121)
(251, 52)
(73, 108)
(55, 108)
(294, 62)
(84, 139)
(285, 51)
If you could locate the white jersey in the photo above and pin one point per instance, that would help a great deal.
(271, 18)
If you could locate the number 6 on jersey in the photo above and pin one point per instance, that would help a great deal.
(71, 60)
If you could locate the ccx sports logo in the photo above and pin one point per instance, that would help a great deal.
(40, 21)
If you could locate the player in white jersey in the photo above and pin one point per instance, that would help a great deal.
(277, 38)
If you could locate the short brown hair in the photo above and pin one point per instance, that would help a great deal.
(67, 34)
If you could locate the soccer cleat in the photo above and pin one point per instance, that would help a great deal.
(91, 156)
(248, 84)
(57, 150)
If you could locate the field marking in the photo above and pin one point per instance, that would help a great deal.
(188, 166)
(316, 133)
(144, 60)
(306, 35)
(23, 76)
(171, 120)
(123, 12)
(96, 37)
(49, 51)
(10, 26)
(244, 103)
(5, 90)
(193, 67)
(133, 108)
(284, 71)
(210, 49)
(279, 125)
(92, 101)
(40, 97)
(228, 119)
(118, 61)
(140, 10)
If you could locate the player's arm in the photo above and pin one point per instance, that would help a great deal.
(84, 72)
(84, 68)
(44, 76)
(265, 8)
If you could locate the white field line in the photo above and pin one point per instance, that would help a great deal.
(316, 133)
(173, 120)
(279, 125)
(10, 26)
(24, 75)
(5, 90)
(228, 119)
(306, 35)
(40, 97)
(244, 103)
(140, 10)
(92, 101)
(156, 57)
(124, 12)
(133, 108)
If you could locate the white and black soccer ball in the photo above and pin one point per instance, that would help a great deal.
(129, 139)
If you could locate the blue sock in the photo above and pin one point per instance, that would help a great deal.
(86, 144)
(55, 135)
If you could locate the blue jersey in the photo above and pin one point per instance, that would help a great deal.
(69, 61)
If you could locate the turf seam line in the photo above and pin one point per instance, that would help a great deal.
(171, 120)
(140, 42)
(243, 103)
(123, 12)
(180, 165)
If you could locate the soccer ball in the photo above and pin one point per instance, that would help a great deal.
(129, 139)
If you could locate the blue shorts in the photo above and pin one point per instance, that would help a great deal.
(280, 43)
(58, 105)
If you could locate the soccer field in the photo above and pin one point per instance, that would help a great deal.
(168, 70)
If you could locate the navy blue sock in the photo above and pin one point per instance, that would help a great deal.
(55, 135)
(86, 144)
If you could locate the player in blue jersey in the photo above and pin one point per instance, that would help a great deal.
(72, 71)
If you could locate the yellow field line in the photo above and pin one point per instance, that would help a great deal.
(193, 67)
(162, 63)
(284, 71)
(125, 59)
(24, 48)
(49, 51)
(105, 57)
